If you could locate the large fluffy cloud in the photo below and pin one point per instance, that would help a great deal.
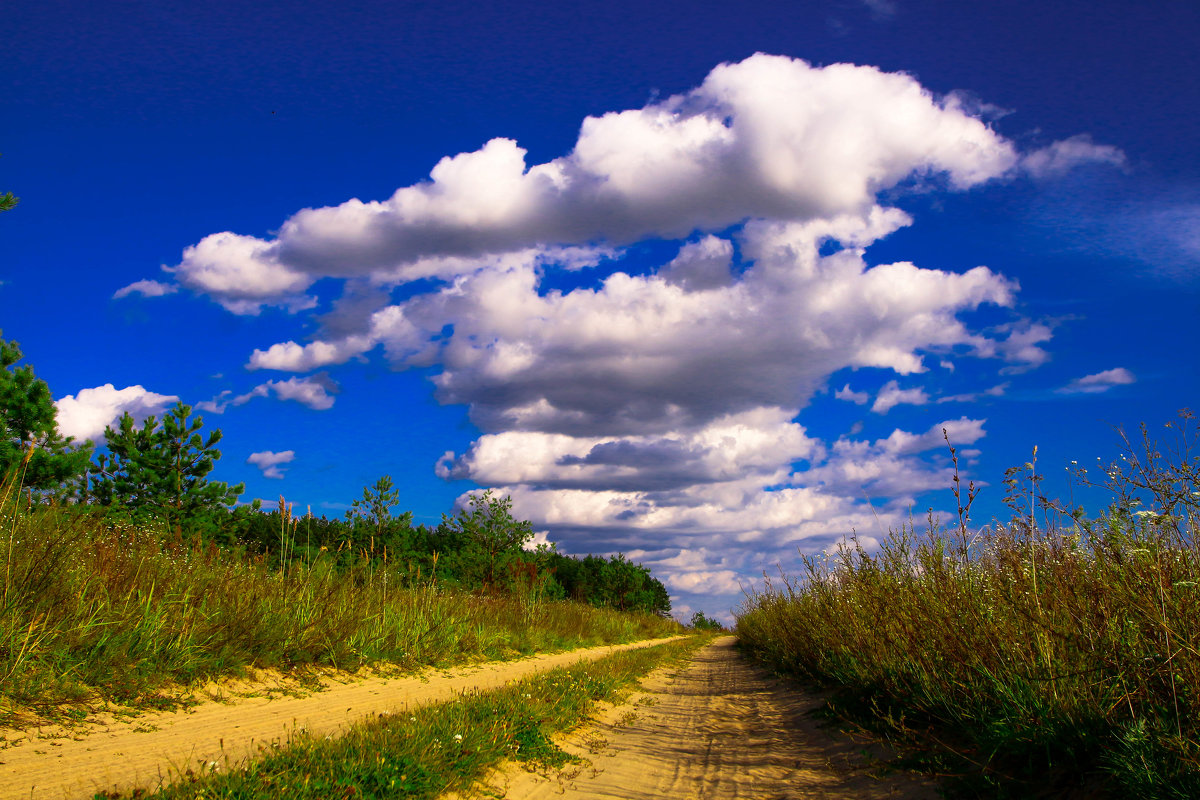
(769, 137)
(642, 354)
(654, 408)
(87, 413)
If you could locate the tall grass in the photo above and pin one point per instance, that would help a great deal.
(91, 612)
(1047, 654)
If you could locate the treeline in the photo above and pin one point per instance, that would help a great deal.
(480, 547)
(155, 474)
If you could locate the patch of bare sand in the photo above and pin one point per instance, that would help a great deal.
(719, 728)
(156, 747)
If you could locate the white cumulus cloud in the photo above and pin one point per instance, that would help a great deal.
(657, 407)
(270, 462)
(891, 395)
(87, 413)
(848, 394)
(762, 138)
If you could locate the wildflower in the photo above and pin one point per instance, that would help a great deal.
(458, 737)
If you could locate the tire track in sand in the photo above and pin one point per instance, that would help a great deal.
(720, 729)
(154, 747)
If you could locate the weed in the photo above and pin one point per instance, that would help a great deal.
(1021, 658)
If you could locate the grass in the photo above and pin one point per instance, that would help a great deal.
(93, 614)
(436, 749)
(1048, 655)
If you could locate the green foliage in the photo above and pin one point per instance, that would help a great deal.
(160, 469)
(371, 523)
(703, 623)
(615, 582)
(29, 418)
(484, 541)
(376, 504)
(8, 202)
(1049, 653)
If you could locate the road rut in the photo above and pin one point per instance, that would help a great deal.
(721, 728)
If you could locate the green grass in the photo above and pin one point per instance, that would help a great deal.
(93, 614)
(440, 748)
(1024, 659)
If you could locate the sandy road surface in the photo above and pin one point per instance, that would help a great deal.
(720, 729)
(153, 747)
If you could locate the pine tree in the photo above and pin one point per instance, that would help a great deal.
(376, 504)
(30, 420)
(375, 508)
(162, 468)
(487, 537)
(8, 202)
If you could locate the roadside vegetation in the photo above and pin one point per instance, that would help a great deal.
(130, 576)
(1057, 654)
(440, 748)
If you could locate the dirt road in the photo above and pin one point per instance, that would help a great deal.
(150, 748)
(720, 729)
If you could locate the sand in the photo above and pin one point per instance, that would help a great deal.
(156, 747)
(720, 728)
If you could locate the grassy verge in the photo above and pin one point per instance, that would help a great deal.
(91, 613)
(1041, 657)
(439, 748)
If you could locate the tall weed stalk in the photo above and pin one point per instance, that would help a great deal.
(1027, 658)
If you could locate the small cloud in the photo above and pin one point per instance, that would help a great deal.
(292, 357)
(1022, 348)
(881, 9)
(269, 462)
(858, 398)
(970, 397)
(891, 395)
(315, 392)
(215, 406)
(1100, 382)
(1064, 155)
(223, 401)
(146, 289)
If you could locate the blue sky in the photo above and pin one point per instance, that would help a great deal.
(688, 282)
